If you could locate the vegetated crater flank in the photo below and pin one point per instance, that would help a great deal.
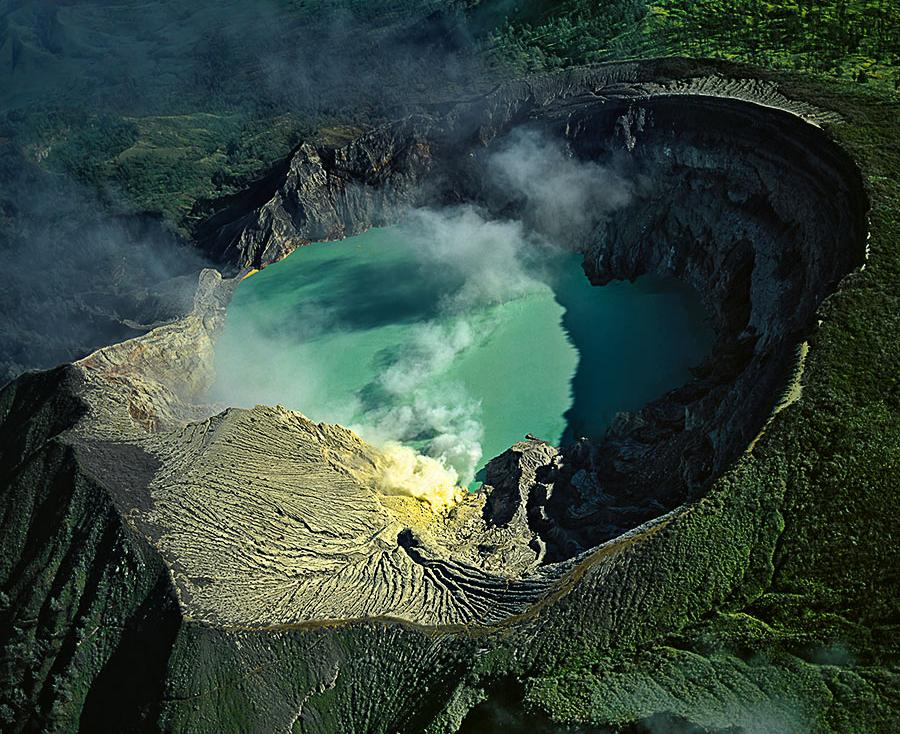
(266, 518)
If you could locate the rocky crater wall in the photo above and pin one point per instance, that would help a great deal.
(762, 216)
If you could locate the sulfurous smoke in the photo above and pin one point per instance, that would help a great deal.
(494, 262)
(487, 262)
(562, 200)
(402, 471)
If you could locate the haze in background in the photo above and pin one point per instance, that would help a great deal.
(176, 58)
(118, 119)
(77, 277)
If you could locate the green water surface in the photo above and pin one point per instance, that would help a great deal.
(371, 333)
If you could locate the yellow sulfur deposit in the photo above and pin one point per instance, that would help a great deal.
(402, 471)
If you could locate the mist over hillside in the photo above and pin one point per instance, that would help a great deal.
(174, 58)
(143, 109)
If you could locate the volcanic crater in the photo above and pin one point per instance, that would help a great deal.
(265, 519)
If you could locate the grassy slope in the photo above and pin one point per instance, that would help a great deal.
(159, 163)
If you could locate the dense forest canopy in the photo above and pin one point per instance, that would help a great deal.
(857, 39)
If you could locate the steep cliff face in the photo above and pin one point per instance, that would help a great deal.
(740, 202)
(88, 612)
(250, 556)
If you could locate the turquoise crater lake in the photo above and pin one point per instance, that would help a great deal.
(455, 342)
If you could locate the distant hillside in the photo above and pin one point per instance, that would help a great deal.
(858, 39)
(159, 105)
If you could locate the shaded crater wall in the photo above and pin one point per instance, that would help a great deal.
(762, 215)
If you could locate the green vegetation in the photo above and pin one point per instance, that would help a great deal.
(856, 39)
(159, 163)
(836, 573)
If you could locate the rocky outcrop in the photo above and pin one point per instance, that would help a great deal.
(252, 552)
(326, 194)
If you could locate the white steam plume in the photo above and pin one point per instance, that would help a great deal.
(491, 262)
(565, 198)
